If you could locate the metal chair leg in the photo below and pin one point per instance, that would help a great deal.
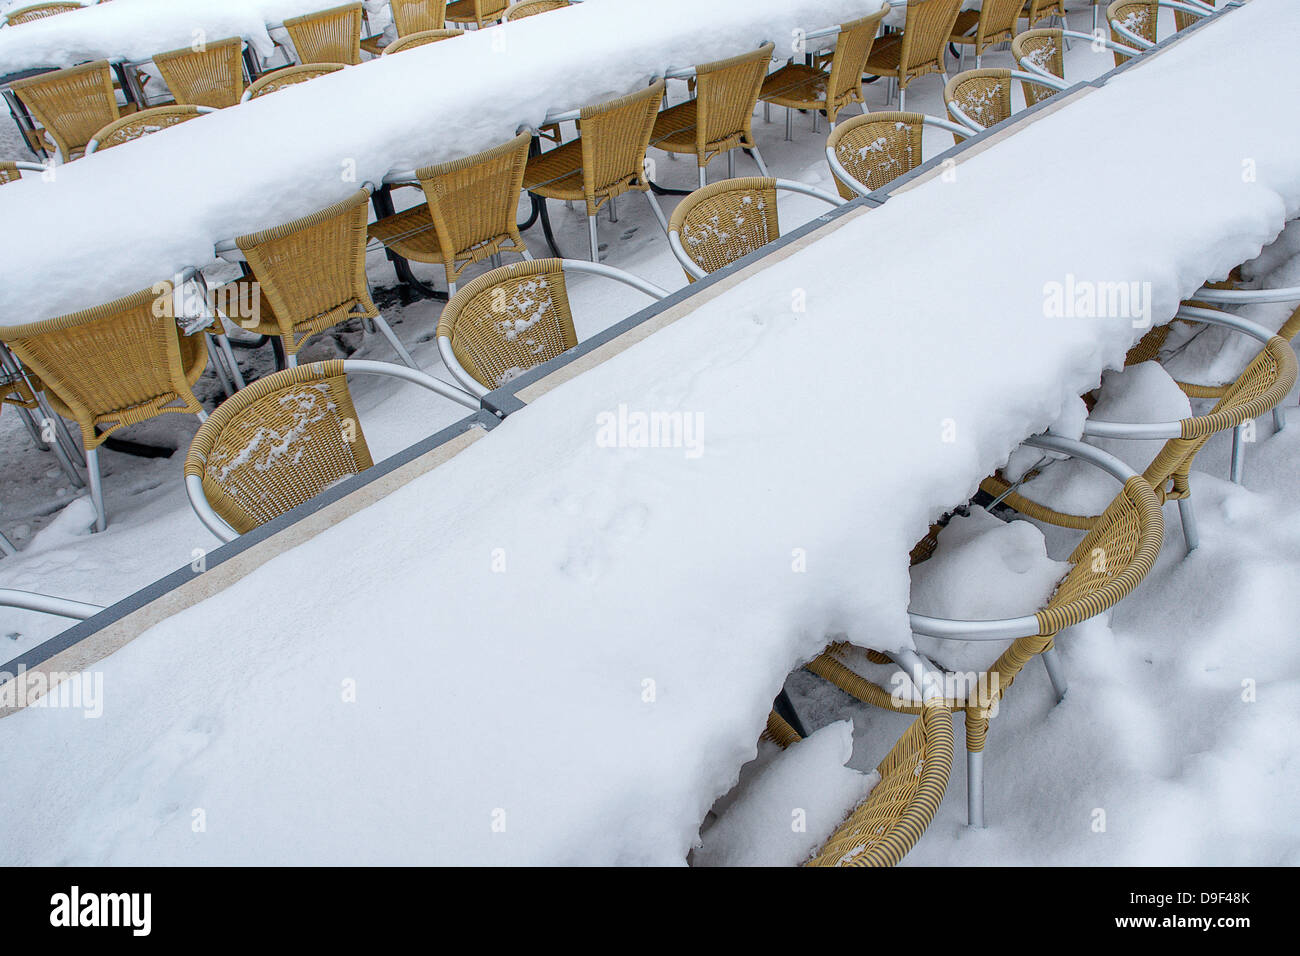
(218, 365)
(33, 429)
(1279, 419)
(1190, 532)
(386, 331)
(613, 209)
(224, 342)
(758, 161)
(65, 449)
(593, 239)
(1238, 464)
(703, 178)
(1055, 673)
(6, 545)
(657, 210)
(96, 488)
(789, 125)
(731, 162)
(975, 789)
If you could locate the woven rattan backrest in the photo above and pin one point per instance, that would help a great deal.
(424, 37)
(313, 270)
(137, 125)
(416, 16)
(726, 220)
(531, 8)
(926, 31)
(726, 93)
(1139, 17)
(852, 47)
(615, 136)
(72, 104)
(508, 320)
(474, 200)
(913, 778)
(9, 173)
(983, 95)
(877, 148)
(118, 362)
(212, 76)
(291, 76)
(1043, 49)
(330, 36)
(278, 443)
(488, 10)
(38, 11)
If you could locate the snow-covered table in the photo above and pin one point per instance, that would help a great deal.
(560, 646)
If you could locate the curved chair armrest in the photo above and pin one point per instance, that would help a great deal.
(1040, 79)
(29, 167)
(844, 176)
(1242, 296)
(1106, 42)
(211, 520)
(791, 185)
(1140, 43)
(683, 258)
(46, 604)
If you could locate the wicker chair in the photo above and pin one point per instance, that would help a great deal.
(606, 160)
(290, 76)
(37, 11)
(1039, 50)
(917, 51)
(1134, 22)
(112, 366)
(720, 223)
(530, 8)
(284, 440)
(1129, 532)
(418, 16)
(1260, 388)
(212, 76)
(306, 276)
(511, 319)
(422, 38)
(1036, 11)
(797, 86)
(994, 22)
(72, 104)
(143, 123)
(480, 13)
(978, 99)
(469, 212)
(720, 117)
(869, 152)
(330, 36)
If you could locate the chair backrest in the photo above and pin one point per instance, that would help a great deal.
(474, 202)
(290, 76)
(997, 21)
(926, 31)
(506, 321)
(530, 8)
(421, 38)
(313, 270)
(983, 95)
(726, 94)
(1139, 17)
(877, 148)
(852, 47)
(37, 11)
(211, 76)
(72, 104)
(278, 443)
(724, 221)
(615, 137)
(141, 124)
(1044, 49)
(113, 365)
(417, 16)
(330, 36)
(913, 779)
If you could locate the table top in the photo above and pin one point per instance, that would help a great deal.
(559, 646)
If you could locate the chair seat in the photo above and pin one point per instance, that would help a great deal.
(963, 29)
(795, 86)
(886, 55)
(557, 173)
(410, 234)
(674, 129)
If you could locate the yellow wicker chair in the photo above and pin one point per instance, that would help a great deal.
(469, 212)
(1129, 533)
(289, 76)
(422, 38)
(994, 22)
(797, 86)
(72, 104)
(37, 11)
(284, 440)
(212, 76)
(870, 151)
(530, 8)
(511, 319)
(112, 366)
(720, 117)
(1036, 11)
(1042, 49)
(480, 13)
(722, 222)
(329, 36)
(606, 160)
(1260, 388)
(1133, 24)
(418, 16)
(141, 124)
(306, 276)
(978, 98)
(917, 51)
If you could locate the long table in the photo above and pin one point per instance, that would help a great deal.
(559, 645)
